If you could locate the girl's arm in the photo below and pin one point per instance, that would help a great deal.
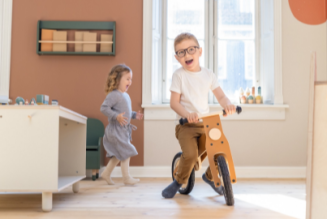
(107, 104)
(133, 115)
(224, 101)
(137, 115)
(175, 104)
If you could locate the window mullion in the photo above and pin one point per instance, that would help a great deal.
(257, 43)
(164, 51)
(214, 46)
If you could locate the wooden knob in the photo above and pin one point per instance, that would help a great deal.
(214, 134)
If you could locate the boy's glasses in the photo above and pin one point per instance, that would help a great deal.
(190, 50)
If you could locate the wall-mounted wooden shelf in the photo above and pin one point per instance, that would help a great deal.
(92, 26)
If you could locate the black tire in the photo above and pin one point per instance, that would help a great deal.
(185, 189)
(225, 178)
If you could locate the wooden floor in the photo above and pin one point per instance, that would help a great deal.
(254, 199)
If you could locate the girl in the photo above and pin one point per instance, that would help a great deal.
(117, 107)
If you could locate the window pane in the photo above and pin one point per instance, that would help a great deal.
(236, 65)
(182, 16)
(236, 19)
(185, 16)
(236, 45)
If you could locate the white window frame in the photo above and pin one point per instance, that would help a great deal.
(5, 45)
(251, 112)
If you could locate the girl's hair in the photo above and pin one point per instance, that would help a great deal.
(114, 77)
(185, 36)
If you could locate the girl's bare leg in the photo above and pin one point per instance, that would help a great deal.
(106, 174)
(128, 179)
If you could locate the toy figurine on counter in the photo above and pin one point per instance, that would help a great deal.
(242, 98)
(33, 101)
(20, 101)
(54, 102)
(258, 99)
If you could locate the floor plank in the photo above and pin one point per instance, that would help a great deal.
(254, 199)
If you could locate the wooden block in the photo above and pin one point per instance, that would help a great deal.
(59, 36)
(106, 47)
(79, 37)
(46, 34)
(89, 47)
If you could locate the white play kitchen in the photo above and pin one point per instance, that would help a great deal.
(43, 149)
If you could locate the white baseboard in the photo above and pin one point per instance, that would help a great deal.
(241, 172)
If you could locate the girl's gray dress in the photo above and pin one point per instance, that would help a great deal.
(116, 139)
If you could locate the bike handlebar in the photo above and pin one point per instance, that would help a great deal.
(183, 121)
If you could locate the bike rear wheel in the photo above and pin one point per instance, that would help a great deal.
(186, 188)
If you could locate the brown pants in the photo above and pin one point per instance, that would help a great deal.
(188, 136)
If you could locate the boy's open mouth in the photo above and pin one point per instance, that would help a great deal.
(127, 87)
(188, 62)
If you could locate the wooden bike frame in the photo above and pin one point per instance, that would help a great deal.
(213, 144)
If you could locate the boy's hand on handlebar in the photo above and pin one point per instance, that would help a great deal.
(193, 118)
(230, 109)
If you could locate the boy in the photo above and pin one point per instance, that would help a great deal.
(189, 96)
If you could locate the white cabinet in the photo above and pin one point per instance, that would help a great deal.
(43, 149)
(317, 153)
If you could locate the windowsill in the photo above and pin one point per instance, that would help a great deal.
(249, 112)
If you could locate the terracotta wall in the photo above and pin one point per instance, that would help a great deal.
(77, 82)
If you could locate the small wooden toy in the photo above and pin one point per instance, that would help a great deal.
(4, 100)
(33, 101)
(250, 99)
(42, 99)
(20, 101)
(54, 102)
(258, 99)
(26, 102)
(240, 93)
(247, 92)
(243, 99)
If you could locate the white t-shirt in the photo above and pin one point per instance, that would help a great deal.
(194, 88)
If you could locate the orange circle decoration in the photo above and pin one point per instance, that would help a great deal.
(309, 11)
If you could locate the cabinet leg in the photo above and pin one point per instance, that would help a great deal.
(94, 172)
(76, 187)
(46, 201)
(97, 174)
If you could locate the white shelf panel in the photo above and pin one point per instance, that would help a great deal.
(65, 181)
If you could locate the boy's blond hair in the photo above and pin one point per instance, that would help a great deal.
(185, 36)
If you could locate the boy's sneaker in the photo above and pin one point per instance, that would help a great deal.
(219, 190)
(171, 190)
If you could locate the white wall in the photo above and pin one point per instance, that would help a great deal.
(262, 143)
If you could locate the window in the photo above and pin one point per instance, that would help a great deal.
(229, 33)
(236, 40)
(251, 41)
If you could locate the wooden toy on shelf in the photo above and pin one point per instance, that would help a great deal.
(85, 41)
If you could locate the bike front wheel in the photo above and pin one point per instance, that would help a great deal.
(225, 180)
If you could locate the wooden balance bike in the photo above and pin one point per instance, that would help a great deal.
(215, 146)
